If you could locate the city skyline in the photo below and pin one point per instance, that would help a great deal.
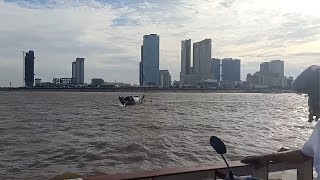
(109, 35)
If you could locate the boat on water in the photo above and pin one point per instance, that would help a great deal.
(130, 100)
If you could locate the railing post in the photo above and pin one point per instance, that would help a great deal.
(305, 171)
(261, 172)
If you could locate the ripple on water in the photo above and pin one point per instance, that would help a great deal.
(89, 132)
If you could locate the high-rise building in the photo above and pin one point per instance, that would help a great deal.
(165, 79)
(74, 72)
(186, 57)
(271, 74)
(231, 69)
(141, 68)
(277, 66)
(274, 66)
(186, 70)
(29, 69)
(264, 67)
(215, 68)
(140, 74)
(150, 60)
(202, 59)
(196, 58)
(79, 70)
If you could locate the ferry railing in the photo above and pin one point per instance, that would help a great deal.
(208, 172)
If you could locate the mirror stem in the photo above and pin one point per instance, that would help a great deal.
(230, 170)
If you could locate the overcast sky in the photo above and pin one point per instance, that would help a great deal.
(108, 33)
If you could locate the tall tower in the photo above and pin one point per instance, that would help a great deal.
(150, 56)
(231, 70)
(29, 69)
(277, 66)
(186, 57)
(215, 68)
(74, 72)
(274, 66)
(202, 59)
(80, 70)
(141, 68)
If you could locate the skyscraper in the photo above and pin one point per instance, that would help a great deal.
(29, 69)
(196, 58)
(264, 67)
(231, 70)
(141, 68)
(186, 69)
(215, 68)
(274, 67)
(271, 74)
(202, 59)
(186, 57)
(74, 72)
(277, 66)
(150, 60)
(78, 70)
(140, 74)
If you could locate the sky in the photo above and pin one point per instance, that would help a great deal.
(108, 33)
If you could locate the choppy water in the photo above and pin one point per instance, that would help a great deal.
(45, 133)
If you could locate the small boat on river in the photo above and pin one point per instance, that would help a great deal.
(131, 100)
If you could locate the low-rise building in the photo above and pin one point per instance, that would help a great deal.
(97, 82)
(209, 83)
(37, 82)
(116, 84)
(176, 84)
(47, 85)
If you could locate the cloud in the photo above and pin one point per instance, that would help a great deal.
(124, 21)
(315, 55)
(308, 54)
(227, 3)
(109, 34)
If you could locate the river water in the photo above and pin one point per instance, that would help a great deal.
(45, 133)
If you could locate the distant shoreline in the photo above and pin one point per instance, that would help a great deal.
(155, 90)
